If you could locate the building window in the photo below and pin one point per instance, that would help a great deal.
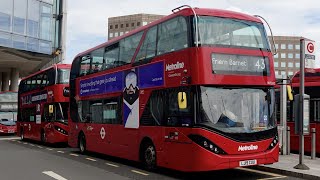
(290, 55)
(127, 25)
(290, 73)
(283, 73)
(46, 21)
(111, 26)
(290, 46)
(283, 55)
(144, 23)
(116, 26)
(276, 64)
(277, 72)
(121, 33)
(132, 24)
(297, 46)
(297, 56)
(111, 35)
(19, 17)
(5, 14)
(297, 65)
(121, 26)
(290, 64)
(19, 42)
(283, 46)
(33, 18)
(276, 56)
(283, 64)
(116, 34)
(5, 39)
(138, 23)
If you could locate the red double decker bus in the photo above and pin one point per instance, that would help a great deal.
(312, 87)
(43, 106)
(193, 91)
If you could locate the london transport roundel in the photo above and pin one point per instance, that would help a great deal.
(102, 133)
(310, 47)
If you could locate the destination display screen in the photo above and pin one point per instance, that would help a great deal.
(240, 64)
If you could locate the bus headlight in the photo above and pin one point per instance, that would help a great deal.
(273, 143)
(57, 128)
(206, 143)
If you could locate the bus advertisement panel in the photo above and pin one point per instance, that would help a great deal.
(193, 91)
(42, 106)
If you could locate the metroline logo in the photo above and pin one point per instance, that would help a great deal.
(248, 148)
(178, 65)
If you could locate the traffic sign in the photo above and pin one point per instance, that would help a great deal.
(309, 49)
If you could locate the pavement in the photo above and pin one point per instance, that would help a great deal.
(286, 165)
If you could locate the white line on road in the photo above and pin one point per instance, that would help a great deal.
(113, 165)
(60, 152)
(54, 175)
(49, 149)
(90, 159)
(261, 172)
(31, 144)
(277, 177)
(40, 147)
(9, 138)
(25, 143)
(139, 172)
(74, 155)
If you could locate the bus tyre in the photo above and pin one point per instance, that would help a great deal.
(149, 156)
(82, 144)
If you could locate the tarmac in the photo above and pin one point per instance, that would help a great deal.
(286, 165)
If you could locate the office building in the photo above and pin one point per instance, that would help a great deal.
(30, 38)
(287, 60)
(120, 25)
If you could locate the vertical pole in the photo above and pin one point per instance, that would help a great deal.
(301, 164)
(313, 143)
(283, 114)
(63, 31)
(288, 140)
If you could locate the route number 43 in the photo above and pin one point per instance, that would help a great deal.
(260, 64)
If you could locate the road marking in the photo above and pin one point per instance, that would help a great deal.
(40, 147)
(25, 143)
(19, 142)
(60, 152)
(54, 175)
(90, 159)
(74, 155)
(31, 144)
(10, 138)
(276, 176)
(113, 165)
(139, 172)
(49, 149)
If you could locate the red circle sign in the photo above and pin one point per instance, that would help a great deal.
(310, 47)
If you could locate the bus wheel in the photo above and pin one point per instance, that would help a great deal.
(82, 144)
(149, 156)
(43, 137)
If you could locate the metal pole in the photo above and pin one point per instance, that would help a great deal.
(63, 31)
(313, 143)
(288, 140)
(283, 114)
(301, 164)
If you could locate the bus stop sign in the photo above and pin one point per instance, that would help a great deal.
(309, 49)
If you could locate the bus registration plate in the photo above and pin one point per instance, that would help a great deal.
(248, 163)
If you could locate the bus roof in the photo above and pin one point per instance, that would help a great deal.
(311, 74)
(59, 66)
(183, 12)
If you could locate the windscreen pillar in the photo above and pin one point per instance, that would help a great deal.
(0, 81)
(14, 78)
(5, 81)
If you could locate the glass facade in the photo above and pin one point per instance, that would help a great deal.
(27, 25)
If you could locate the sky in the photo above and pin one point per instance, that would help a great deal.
(87, 24)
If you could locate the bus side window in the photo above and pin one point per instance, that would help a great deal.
(97, 60)
(153, 113)
(128, 47)
(111, 55)
(96, 111)
(111, 111)
(148, 48)
(175, 115)
(85, 65)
